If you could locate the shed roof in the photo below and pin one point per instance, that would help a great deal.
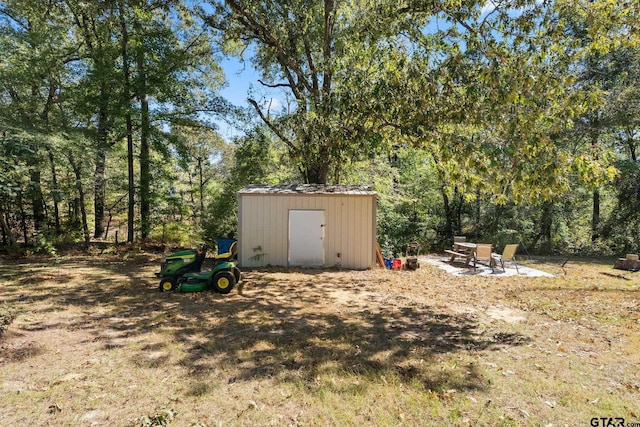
(356, 190)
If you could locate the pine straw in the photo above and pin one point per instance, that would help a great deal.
(94, 343)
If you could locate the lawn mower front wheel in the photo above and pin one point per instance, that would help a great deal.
(168, 284)
(224, 281)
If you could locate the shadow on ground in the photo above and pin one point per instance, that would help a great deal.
(294, 324)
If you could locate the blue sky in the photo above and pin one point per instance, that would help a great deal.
(242, 78)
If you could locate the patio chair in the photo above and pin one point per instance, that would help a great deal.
(508, 255)
(483, 253)
(458, 239)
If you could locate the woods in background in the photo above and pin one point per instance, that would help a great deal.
(501, 120)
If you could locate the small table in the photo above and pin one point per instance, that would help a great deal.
(464, 250)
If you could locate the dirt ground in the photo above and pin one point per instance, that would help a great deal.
(93, 343)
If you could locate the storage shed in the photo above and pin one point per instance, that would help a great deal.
(307, 225)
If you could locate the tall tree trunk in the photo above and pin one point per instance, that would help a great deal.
(103, 63)
(632, 155)
(448, 224)
(595, 213)
(457, 198)
(129, 125)
(145, 127)
(145, 174)
(448, 214)
(99, 181)
(194, 210)
(3, 227)
(202, 183)
(35, 195)
(631, 143)
(23, 218)
(546, 223)
(317, 172)
(595, 216)
(45, 118)
(495, 221)
(131, 183)
(78, 182)
(56, 191)
(477, 212)
(7, 234)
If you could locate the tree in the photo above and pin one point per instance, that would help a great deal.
(175, 69)
(36, 53)
(303, 48)
(256, 158)
(96, 97)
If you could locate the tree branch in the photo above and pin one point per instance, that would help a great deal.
(261, 33)
(329, 19)
(275, 85)
(271, 126)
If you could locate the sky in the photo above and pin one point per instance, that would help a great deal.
(239, 78)
(242, 78)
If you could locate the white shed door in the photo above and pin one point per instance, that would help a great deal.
(306, 238)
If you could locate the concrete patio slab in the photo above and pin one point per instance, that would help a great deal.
(460, 269)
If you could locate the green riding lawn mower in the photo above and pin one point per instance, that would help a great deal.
(181, 271)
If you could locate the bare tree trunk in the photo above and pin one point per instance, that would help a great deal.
(457, 198)
(78, 175)
(7, 234)
(595, 216)
(23, 218)
(3, 227)
(145, 128)
(633, 155)
(546, 223)
(76, 211)
(194, 214)
(129, 125)
(448, 227)
(202, 184)
(56, 194)
(35, 194)
(99, 181)
(145, 175)
(131, 184)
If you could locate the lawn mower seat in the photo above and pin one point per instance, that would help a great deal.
(227, 248)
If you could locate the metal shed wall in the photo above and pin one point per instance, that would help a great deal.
(349, 230)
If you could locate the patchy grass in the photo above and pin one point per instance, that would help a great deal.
(6, 317)
(94, 343)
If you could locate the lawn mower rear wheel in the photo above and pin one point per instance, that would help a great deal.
(224, 281)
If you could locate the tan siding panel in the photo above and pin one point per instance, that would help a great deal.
(354, 228)
(357, 225)
(367, 244)
(365, 237)
(330, 236)
(282, 226)
(349, 228)
(270, 212)
(259, 245)
(355, 222)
